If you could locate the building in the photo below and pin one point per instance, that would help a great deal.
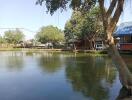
(93, 44)
(99, 45)
(124, 36)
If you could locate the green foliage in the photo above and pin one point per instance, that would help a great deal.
(84, 25)
(91, 23)
(50, 34)
(2, 40)
(53, 5)
(13, 36)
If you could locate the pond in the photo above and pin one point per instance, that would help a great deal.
(57, 76)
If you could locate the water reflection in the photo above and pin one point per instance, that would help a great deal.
(93, 76)
(124, 94)
(29, 53)
(75, 76)
(128, 60)
(14, 61)
(50, 62)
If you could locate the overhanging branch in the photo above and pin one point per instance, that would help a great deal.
(116, 16)
(111, 8)
(103, 12)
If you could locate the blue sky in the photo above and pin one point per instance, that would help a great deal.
(25, 14)
(127, 14)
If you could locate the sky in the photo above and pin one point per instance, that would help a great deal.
(127, 13)
(25, 14)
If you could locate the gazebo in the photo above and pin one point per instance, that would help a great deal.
(124, 35)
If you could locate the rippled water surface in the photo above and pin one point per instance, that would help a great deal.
(57, 76)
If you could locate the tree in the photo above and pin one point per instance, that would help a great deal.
(110, 18)
(50, 34)
(84, 26)
(13, 36)
(1, 40)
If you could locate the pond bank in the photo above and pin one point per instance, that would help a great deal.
(62, 50)
(55, 50)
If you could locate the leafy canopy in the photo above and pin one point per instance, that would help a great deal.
(84, 25)
(13, 36)
(2, 40)
(53, 5)
(50, 34)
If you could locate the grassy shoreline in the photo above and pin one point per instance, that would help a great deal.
(93, 52)
(54, 50)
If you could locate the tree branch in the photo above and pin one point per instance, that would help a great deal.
(116, 16)
(111, 8)
(103, 12)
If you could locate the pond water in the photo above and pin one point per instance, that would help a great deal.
(57, 76)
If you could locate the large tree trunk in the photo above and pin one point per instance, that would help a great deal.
(110, 19)
(124, 73)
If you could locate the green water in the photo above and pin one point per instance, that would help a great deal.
(57, 76)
